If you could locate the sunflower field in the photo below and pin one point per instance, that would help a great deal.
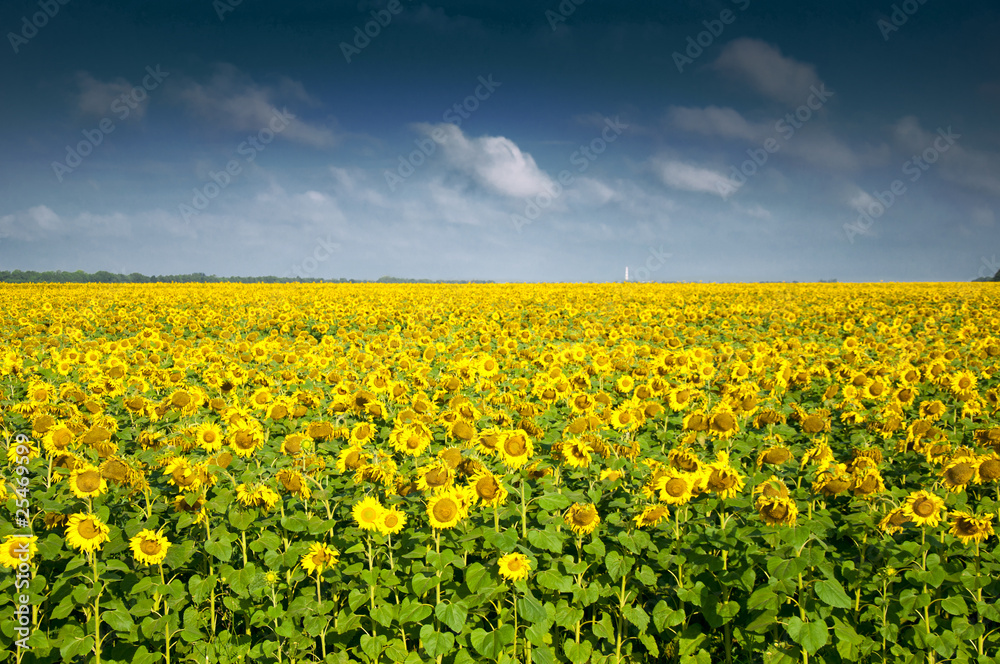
(500, 473)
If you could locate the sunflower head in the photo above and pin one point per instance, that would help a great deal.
(149, 547)
(582, 518)
(86, 532)
(445, 510)
(514, 566)
(969, 527)
(368, 513)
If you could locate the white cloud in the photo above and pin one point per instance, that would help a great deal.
(96, 97)
(715, 121)
(767, 71)
(688, 177)
(494, 162)
(42, 223)
(233, 100)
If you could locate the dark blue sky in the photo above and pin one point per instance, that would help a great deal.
(779, 148)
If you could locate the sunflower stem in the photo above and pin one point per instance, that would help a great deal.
(166, 622)
(97, 612)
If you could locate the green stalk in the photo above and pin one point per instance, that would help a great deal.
(97, 612)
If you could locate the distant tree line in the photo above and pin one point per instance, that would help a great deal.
(103, 277)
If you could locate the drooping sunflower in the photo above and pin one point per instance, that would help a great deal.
(722, 424)
(392, 521)
(894, 521)
(959, 472)
(684, 458)
(832, 480)
(58, 439)
(318, 558)
(576, 452)
(445, 510)
(514, 566)
(515, 448)
(17, 550)
(351, 458)
(923, 508)
(436, 478)
(988, 468)
(777, 511)
(488, 489)
(969, 527)
(149, 547)
(87, 482)
(86, 532)
(367, 513)
(651, 515)
(721, 478)
(582, 518)
(774, 456)
(293, 482)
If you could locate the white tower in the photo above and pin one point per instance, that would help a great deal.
(626, 273)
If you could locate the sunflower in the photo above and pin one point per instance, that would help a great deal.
(576, 452)
(933, 410)
(391, 522)
(676, 487)
(988, 468)
(771, 488)
(351, 458)
(868, 483)
(923, 508)
(295, 444)
(721, 478)
(86, 532)
(514, 566)
(684, 458)
(777, 511)
(319, 557)
(87, 482)
(182, 506)
(293, 482)
(435, 478)
(515, 448)
(17, 550)
(971, 528)
(57, 439)
(651, 515)
(488, 489)
(893, 522)
(695, 421)
(149, 547)
(959, 472)
(774, 456)
(723, 424)
(832, 480)
(209, 436)
(245, 439)
(367, 513)
(445, 510)
(582, 518)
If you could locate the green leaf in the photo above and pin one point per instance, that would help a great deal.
(638, 616)
(605, 629)
(373, 645)
(550, 579)
(811, 635)
(452, 615)
(955, 605)
(542, 654)
(554, 501)
(618, 565)
(848, 641)
(664, 616)
(763, 598)
(410, 611)
(831, 592)
(491, 644)
(119, 620)
(476, 576)
(578, 653)
(531, 610)
(545, 539)
(436, 643)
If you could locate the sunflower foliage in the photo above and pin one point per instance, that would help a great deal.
(480, 473)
